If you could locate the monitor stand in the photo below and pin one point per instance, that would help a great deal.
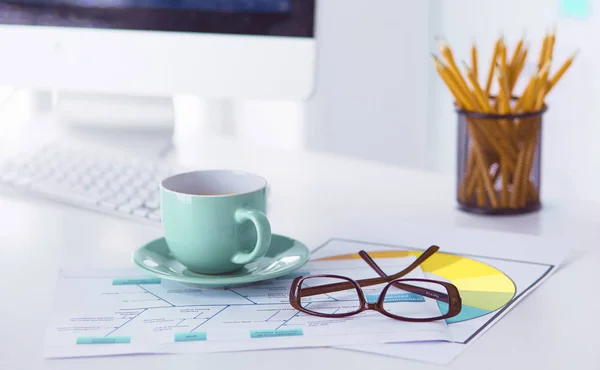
(140, 125)
(144, 126)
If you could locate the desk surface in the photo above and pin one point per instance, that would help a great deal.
(553, 328)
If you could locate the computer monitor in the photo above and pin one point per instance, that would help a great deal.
(252, 49)
(222, 49)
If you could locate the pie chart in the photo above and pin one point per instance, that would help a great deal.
(483, 288)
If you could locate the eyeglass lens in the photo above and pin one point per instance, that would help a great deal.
(334, 303)
(414, 303)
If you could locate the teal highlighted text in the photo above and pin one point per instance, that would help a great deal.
(135, 281)
(397, 297)
(103, 340)
(190, 337)
(275, 333)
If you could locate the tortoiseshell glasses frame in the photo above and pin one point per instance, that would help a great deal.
(452, 298)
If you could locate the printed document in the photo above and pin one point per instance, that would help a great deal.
(111, 312)
(493, 271)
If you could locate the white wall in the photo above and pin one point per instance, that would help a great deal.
(571, 127)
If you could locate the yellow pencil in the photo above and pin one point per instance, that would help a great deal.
(543, 81)
(557, 76)
(447, 54)
(503, 61)
(482, 99)
(462, 100)
(543, 51)
(516, 72)
(522, 102)
(490, 78)
(530, 100)
(474, 60)
(504, 97)
(551, 41)
(517, 53)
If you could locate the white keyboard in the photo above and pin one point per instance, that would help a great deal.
(90, 179)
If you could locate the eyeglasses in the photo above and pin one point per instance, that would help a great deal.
(340, 296)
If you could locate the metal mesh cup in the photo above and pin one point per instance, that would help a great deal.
(499, 162)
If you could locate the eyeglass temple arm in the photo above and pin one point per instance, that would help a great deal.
(422, 258)
(330, 288)
(409, 288)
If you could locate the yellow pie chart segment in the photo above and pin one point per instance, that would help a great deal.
(465, 268)
(492, 283)
(483, 288)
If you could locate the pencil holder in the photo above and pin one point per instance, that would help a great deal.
(498, 162)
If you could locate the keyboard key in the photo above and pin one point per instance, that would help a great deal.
(86, 179)
(145, 176)
(101, 184)
(152, 204)
(116, 199)
(128, 191)
(22, 181)
(9, 177)
(58, 177)
(97, 193)
(108, 204)
(138, 182)
(94, 172)
(142, 212)
(121, 198)
(72, 178)
(126, 208)
(115, 186)
(43, 175)
(80, 188)
(154, 215)
(153, 186)
(124, 180)
(136, 202)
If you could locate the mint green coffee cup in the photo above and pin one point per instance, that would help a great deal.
(214, 221)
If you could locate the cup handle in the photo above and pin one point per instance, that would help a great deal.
(263, 233)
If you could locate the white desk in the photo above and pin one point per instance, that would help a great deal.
(553, 328)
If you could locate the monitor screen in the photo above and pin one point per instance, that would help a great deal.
(292, 18)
